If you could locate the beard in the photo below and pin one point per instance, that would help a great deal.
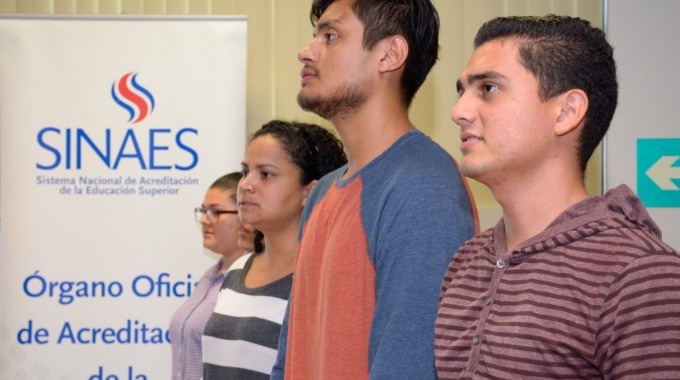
(347, 99)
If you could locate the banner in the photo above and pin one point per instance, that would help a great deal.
(111, 130)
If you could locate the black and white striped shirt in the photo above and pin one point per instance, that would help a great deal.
(241, 337)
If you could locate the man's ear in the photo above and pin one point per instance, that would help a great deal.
(573, 107)
(394, 50)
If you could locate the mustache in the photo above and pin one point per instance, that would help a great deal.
(308, 68)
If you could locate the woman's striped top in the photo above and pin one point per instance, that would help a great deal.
(240, 340)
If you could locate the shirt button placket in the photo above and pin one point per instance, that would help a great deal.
(500, 264)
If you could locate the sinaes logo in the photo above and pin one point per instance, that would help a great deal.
(135, 99)
(94, 146)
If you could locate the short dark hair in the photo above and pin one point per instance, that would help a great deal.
(416, 20)
(227, 182)
(314, 149)
(565, 53)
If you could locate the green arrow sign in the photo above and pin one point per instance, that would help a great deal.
(658, 172)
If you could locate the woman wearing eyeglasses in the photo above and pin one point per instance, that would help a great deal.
(225, 235)
(282, 164)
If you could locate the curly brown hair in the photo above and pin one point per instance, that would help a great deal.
(314, 149)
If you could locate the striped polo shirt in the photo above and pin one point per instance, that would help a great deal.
(595, 295)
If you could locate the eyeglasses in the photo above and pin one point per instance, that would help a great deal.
(211, 214)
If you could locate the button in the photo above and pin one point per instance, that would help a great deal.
(488, 300)
(500, 263)
(476, 340)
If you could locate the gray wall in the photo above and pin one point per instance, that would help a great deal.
(646, 128)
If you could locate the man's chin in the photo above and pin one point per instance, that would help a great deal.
(312, 104)
(305, 101)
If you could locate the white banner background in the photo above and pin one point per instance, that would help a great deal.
(82, 270)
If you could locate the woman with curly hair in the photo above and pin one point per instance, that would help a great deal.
(283, 162)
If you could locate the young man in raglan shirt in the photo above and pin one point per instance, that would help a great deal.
(376, 235)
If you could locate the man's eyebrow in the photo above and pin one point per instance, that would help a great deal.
(325, 25)
(476, 77)
(472, 78)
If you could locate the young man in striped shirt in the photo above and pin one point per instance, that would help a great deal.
(565, 285)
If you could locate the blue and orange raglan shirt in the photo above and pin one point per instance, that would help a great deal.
(373, 251)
